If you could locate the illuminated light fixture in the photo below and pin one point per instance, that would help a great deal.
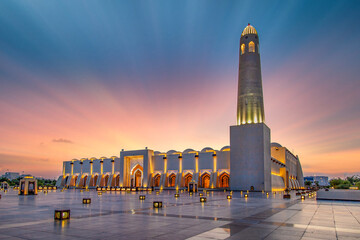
(40, 188)
(142, 197)
(54, 188)
(190, 193)
(176, 195)
(45, 188)
(202, 199)
(246, 196)
(98, 189)
(241, 192)
(62, 214)
(122, 189)
(200, 194)
(229, 197)
(50, 188)
(157, 204)
(118, 189)
(267, 194)
(99, 193)
(262, 191)
(302, 197)
(86, 200)
(231, 192)
(113, 189)
(133, 189)
(108, 189)
(157, 193)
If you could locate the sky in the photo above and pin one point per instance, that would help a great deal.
(82, 79)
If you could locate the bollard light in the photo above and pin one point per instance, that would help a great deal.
(200, 194)
(142, 197)
(86, 200)
(245, 196)
(62, 214)
(229, 197)
(202, 199)
(176, 195)
(157, 204)
(99, 193)
(302, 197)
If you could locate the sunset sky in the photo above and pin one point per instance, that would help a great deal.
(89, 78)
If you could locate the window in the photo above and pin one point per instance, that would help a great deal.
(242, 49)
(251, 46)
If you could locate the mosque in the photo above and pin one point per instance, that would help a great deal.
(251, 162)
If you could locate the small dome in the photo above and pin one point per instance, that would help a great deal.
(207, 149)
(249, 30)
(188, 150)
(171, 152)
(274, 144)
(157, 153)
(226, 148)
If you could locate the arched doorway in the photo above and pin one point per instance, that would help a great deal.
(73, 181)
(136, 176)
(172, 180)
(104, 180)
(117, 181)
(205, 180)
(187, 179)
(157, 180)
(93, 181)
(82, 182)
(224, 180)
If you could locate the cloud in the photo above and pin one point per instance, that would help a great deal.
(61, 140)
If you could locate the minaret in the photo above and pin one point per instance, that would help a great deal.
(250, 105)
(250, 156)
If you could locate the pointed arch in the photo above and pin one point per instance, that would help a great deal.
(93, 180)
(224, 180)
(187, 178)
(172, 180)
(104, 180)
(205, 180)
(73, 181)
(82, 182)
(251, 46)
(157, 180)
(242, 48)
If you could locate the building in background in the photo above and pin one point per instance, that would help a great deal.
(11, 175)
(251, 162)
(321, 180)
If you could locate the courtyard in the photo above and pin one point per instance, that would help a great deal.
(121, 215)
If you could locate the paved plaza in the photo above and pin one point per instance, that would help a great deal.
(121, 215)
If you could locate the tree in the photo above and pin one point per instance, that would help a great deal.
(307, 183)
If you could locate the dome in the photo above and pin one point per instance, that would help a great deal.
(157, 153)
(226, 148)
(207, 149)
(274, 144)
(171, 152)
(188, 150)
(249, 30)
